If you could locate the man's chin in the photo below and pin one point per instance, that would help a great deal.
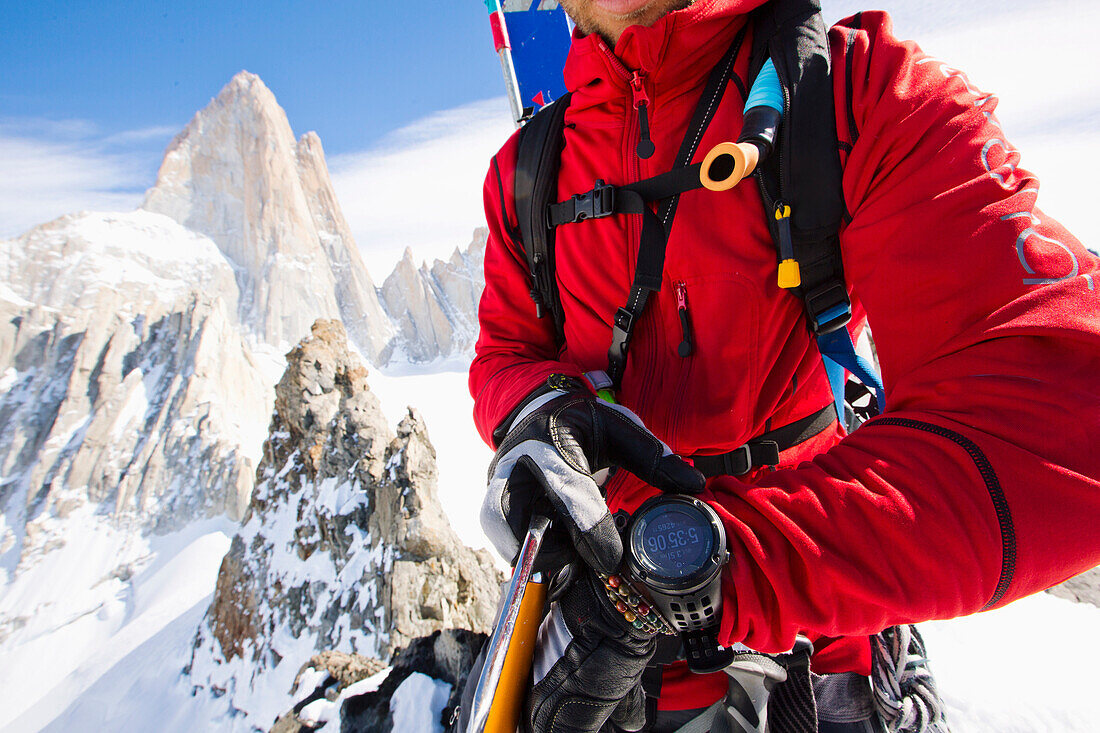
(624, 9)
(608, 18)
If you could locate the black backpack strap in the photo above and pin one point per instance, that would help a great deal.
(536, 182)
(801, 181)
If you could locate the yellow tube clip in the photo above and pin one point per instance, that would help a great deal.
(789, 274)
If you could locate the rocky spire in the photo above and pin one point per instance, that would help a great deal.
(237, 175)
(435, 308)
(345, 546)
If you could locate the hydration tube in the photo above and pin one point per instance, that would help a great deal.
(729, 162)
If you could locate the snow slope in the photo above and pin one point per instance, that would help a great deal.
(130, 636)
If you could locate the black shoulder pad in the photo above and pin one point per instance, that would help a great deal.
(805, 170)
(536, 182)
(806, 173)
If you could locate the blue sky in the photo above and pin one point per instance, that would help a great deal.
(351, 70)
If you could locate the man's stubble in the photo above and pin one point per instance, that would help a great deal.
(590, 17)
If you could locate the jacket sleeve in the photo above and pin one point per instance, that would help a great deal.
(979, 485)
(515, 350)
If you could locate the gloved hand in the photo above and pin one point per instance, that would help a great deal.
(588, 665)
(561, 436)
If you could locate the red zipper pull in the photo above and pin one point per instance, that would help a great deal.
(645, 147)
(686, 346)
(636, 86)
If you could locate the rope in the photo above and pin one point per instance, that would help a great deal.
(905, 691)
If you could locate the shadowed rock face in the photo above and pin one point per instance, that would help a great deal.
(140, 411)
(345, 546)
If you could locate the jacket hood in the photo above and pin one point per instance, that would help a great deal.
(686, 43)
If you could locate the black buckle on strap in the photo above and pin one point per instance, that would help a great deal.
(595, 204)
(624, 320)
(740, 460)
(828, 308)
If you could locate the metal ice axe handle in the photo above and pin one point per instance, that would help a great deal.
(505, 626)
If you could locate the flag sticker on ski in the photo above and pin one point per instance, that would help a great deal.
(532, 39)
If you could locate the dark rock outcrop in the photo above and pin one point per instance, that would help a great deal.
(446, 655)
(345, 546)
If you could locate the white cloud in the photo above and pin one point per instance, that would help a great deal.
(157, 133)
(49, 168)
(420, 187)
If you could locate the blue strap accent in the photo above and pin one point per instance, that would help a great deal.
(766, 91)
(835, 373)
(840, 354)
(836, 311)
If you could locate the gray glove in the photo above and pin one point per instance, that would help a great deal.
(562, 435)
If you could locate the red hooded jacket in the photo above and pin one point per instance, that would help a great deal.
(978, 486)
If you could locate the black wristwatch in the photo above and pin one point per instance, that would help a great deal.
(675, 548)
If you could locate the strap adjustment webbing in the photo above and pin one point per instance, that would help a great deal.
(740, 460)
(765, 449)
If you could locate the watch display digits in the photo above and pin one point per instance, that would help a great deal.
(676, 550)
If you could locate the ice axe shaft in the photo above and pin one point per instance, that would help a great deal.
(498, 697)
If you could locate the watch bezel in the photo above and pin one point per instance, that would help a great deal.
(707, 571)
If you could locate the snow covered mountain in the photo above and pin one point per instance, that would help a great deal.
(239, 247)
(435, 309)
(139, 353)
(125, 377)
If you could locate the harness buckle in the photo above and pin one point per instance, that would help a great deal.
(739, 460)
(595, 204)
(624, 320)
(828, 308)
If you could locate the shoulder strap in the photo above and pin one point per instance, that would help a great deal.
(540, 143)
(801, 183)
(804, 172)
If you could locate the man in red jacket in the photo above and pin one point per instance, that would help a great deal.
(978, 485)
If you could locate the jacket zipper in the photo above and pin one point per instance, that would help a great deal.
(638, 97)
(685, 350)
(686, 346)
(645, 147)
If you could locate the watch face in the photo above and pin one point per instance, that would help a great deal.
(672, 540)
